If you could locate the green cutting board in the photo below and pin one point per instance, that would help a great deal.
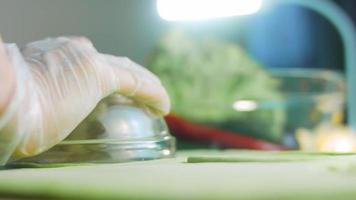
(207, 175)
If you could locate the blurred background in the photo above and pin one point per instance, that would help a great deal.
(279, 37)
(300, 38)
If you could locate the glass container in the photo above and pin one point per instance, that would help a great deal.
(116, 131)
(309, 98)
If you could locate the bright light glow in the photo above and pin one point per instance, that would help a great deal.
(176, 10)
(341, 144)
(166, 152)
(245, 105)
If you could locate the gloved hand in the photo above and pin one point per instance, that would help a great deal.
(59, 81)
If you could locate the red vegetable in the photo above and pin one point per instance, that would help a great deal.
(185, 129)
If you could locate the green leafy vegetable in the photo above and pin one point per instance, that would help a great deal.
(204, 77)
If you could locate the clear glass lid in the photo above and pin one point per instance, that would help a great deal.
(114, 132)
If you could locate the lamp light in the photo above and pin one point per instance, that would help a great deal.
(174, 10)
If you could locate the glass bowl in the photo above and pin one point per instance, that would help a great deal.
(309, 98)
(115, 131)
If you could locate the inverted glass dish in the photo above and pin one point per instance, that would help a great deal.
(113, 132)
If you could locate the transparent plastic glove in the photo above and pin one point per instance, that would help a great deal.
(59, 82)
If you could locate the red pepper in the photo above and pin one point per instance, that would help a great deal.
(185, 129)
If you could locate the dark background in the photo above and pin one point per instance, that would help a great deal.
(291, 36)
